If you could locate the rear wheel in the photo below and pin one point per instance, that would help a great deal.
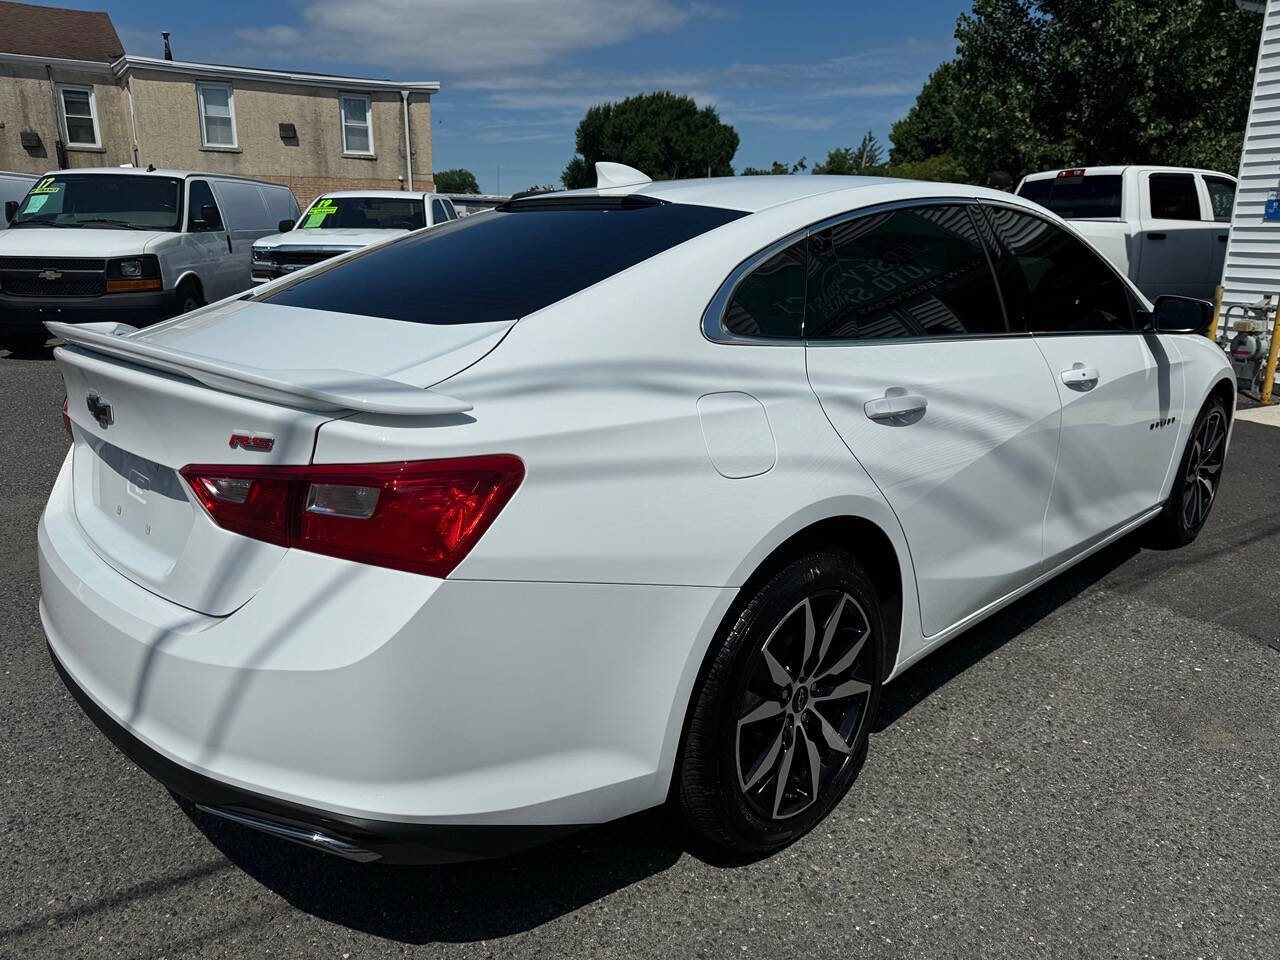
(779, 725)
(1195, 487)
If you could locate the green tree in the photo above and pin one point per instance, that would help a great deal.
(661, 133)
(1048, 83)
(456, 180)
(929, 128)
(863, 160)
(776, 170)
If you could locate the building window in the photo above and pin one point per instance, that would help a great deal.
(79, 116)
(357, 127)
(217, 114)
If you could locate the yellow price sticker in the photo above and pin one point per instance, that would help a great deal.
(317, 214)
(47, 185)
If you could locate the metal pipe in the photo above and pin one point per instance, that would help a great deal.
(1268, 381)
(408, 150)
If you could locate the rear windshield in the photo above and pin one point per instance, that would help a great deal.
(368, 213)
(1080, 198)
(504, 264)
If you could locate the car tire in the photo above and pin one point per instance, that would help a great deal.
(787, 691)
(189, 297)
(1195, 485)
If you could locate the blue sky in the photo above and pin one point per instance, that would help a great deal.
(793, 79)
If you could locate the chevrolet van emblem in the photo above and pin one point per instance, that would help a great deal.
(50, 274)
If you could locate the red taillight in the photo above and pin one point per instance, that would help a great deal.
(422, 516)
(66, 419)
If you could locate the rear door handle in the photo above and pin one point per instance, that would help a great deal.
(1080, 377)
(894, 404)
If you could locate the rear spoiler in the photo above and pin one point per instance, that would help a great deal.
(317, 389)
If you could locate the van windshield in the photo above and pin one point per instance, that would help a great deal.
(103, 201)
(1089, 197)
(368, 213)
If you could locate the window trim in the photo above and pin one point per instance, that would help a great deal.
(93, 116)
(201, 86)
(1204, 179)
(368, 120)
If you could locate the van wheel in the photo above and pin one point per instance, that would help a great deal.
(1195, 486)
(189, 296)
(779, 724)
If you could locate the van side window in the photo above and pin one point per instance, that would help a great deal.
(448, 205)
(243, 207)
(769, 301)
(438, 213)
(200, 197)
(1054, 283)
(1174, 196)
(916, 272)
(1222, 197)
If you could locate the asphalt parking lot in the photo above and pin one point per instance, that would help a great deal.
(1091, 773)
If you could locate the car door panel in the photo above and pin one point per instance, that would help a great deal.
(955, 420)
(1119, 389)
(1177, 246)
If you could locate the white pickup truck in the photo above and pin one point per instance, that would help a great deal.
(1166, 227)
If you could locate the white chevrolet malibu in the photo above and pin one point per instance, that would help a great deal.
(603, 500)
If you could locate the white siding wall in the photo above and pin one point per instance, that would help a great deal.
(1253, 249)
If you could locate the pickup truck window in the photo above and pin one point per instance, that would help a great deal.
(1174, 196)
(1092, 196)
(1052, 282)
(1222, 197)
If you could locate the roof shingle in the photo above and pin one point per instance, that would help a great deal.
(37, 31)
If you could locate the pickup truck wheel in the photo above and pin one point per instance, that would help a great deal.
(189, 296)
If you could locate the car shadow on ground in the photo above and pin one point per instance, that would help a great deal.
(28, 351)
(487, 899)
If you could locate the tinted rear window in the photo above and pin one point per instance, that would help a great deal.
(504, 264)
(1093, 195)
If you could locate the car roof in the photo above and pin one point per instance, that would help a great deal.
(1121, 168)
(180, 174)
(392, 194)
(753, 194)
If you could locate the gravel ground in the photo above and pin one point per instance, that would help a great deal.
(1092, 773)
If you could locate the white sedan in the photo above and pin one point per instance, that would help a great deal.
(603, 500)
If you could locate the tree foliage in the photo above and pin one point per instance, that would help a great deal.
(661, 133)
(1039, 84)
(457, 180)
(862, 160)
(776, 169)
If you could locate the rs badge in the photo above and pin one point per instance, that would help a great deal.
(257, 442)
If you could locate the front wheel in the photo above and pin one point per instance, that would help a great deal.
(1195, 486)
(779, 724)
(189, 297)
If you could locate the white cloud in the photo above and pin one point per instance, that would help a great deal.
(428, 37)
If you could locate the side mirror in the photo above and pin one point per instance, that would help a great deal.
(284, 226)
(210, 217)
(1181, 315)
(10, 210)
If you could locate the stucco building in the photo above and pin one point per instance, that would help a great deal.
(70, 97)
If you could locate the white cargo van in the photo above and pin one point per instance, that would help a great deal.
(14, 186)
(128, 244)
(337, 223)
(1166, 227)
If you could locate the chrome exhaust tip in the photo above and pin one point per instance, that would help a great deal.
(302, 835)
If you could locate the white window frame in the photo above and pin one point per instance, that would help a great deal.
(201, 86)
(93, 115)
(368, 119)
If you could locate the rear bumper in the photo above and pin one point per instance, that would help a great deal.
(427, 719)
(28, 314)
(353, 838)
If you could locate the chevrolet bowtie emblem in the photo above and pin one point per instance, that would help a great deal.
(50, 274)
